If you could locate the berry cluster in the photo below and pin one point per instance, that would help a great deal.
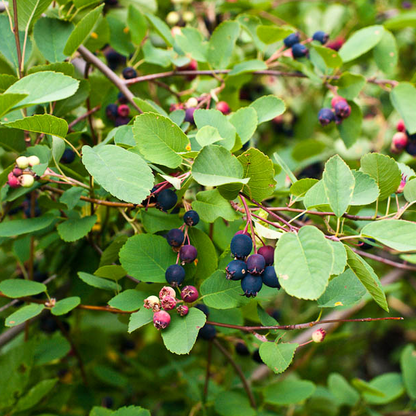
(340, 110)
(253, 270)
(299, 50)
(167, 301)
(180, 243)
(402, 140)
(22, 175)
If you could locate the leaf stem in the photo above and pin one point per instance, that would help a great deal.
(250, 221)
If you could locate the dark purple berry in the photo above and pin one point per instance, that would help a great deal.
(256, 264)
(208, 332)
(321, 36)
(191, 218)
(129, 73)
(268, 253)
(188, 253)
(127, 345)
(299, 51)
(161, 320)
(175, 237)
(241, 246)
(114, 59)
(189, 294)
(182, 310)
(411, 148)
(175, 275)
(241, 349)
(203, 308)
(367, 246)
(121, 121)
(269, 277)
(326, 116)
(189, 115)
(166, 199)
(122, 98)
(251, 285)
(111, 111)
(291, 40)
(107, 402)
(68, 156)
(236, 270)
(342, 109)
(256, 357)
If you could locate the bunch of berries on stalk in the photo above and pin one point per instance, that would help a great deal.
(22, 175)
(253, 270)
(299, 50)
(402, 140)
(180, 243)
(340, 111)
(167, 301)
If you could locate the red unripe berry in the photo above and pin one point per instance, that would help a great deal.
(123, 110)
(223, 107)
(13, 181)
(399, 141)
(17, 172)
(335, 44)
(189, 294)
(182, 310)
(168, 303)
(400, 126)
(161, 320)
(337, 99)
(268, 253)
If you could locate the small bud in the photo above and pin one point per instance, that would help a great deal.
(318, 335)
(188, 16)
(13, 181)
(192, 102)
(161, 320)
(182, 310)
(22, 162)
(152, 302)
(189, 294)
(167, 291)
(168, 303)
(27, 180)
(33, 160)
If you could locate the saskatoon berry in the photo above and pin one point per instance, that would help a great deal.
(335, 44)
(152, 302)
(291, 40)
(175, 106)
(411, 148)
(114, 59)
(123, 110)
(338, 120)
(256, 264)
(251, 285)
(107, 402)
(17, 172)
(342, 109)
(326, 116)
(256, 357)
(13, 181)
(268, 253)
(175, 237)
(318, 335)
(121, 121)
(175, 275)
(127, 345)
(27, 180)
(33, 160)
(173, 18)
(168, 303)
(68, 156)
(203, 308)
(399, 141)
(321, 36)
(337, 99)
(129, 73)
(189, 115)
(191, 218)
(208, 332)
(111, 111)
(223, 107)
(400, 126)
(122, 98)
(299, 51)
(182, 310)
(366, 246)
(269, 277)
(166, 199)
(241, 349)
(242, 232)
(189, 294)
(236, 270)
(188, 253)
(192, 66)
(241, 246)
(22, 162)
(167, 291)
(161, 320)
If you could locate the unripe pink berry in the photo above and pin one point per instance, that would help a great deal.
(182, 310)
(152, 302)
(123, 110)
(167, 291)
(17, 172)
(168, 303)
(13, 181)
(223, 107)
(400, 126)
(337, 99)
(189, 294)
(402, 184)
(161, 320)
(399, 141)
(318, 335)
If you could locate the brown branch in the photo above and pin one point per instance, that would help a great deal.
(240, 373)
(84, 116)
(380, 259)
(17, 38)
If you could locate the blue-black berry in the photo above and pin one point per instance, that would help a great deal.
(189, 115)
(291, 40)
(236, 270)
(326, 116)
(111, 111)
(122, 99)
(342, 109)
(411, 148)
(129, 73)
(241, 349)
(203, 308)
(175, 275)
(166, 199)
(175, 237)
(269, 277)
(208, 332)
(251, 285)
(321, 36)
(68, 156)
(188, 253)
(241, 246)
(367, 246)
(299, 50)
(256, 264)
(191, 218)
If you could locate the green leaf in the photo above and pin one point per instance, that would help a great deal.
(366, 190)
(302, 186)
(71, 196)
(390, 384)
(74, 229)
(139, 319)
(409, 191)
(161, 27)
(303, 262)
(98, 282)
(288, 392)
(339, 257)
(216, 166)
(245, 122)
(259, 169)
(277, 356)
(131, 411)
(271, 34)
(154, 221)
(384, 170)
(7, 101)
(268, 107)
(249, 23)
(148, 106)
(146, 257)
(399, 235)
(101, 411)
(137, 24)
(51, 36)
(52, 348)
(285, 167)
(23, 314)
(6, 81)
(403, 98)
(231, 403)
(43, 87)
(344, 290)
(329, 56)
(218, 120)
(18, 288)
(129, 300)
(62, 307)
(119, 37)
(41, 123)
(29, 11)
(35, 395)
(365, 387)
(221, 44)
(401, 20)
(361, 42)
(180, 336)
(122, 173)
(208, 135)
(350, 128)
(350, 85)
(408, 366)
(339, 184)
(24, 226)
(210, 205)
(220, 293)
(159, 139)
(207, 254)
(191, 41)
(342, 390)
(367, 277)
(248, 66)
(82, 30)
(110, 271)
(386, 54)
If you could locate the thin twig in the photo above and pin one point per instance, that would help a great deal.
(250, 221)
(17, 38)
(84, 116)
(385, 261)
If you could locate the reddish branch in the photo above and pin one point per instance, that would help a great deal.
(83, 117)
